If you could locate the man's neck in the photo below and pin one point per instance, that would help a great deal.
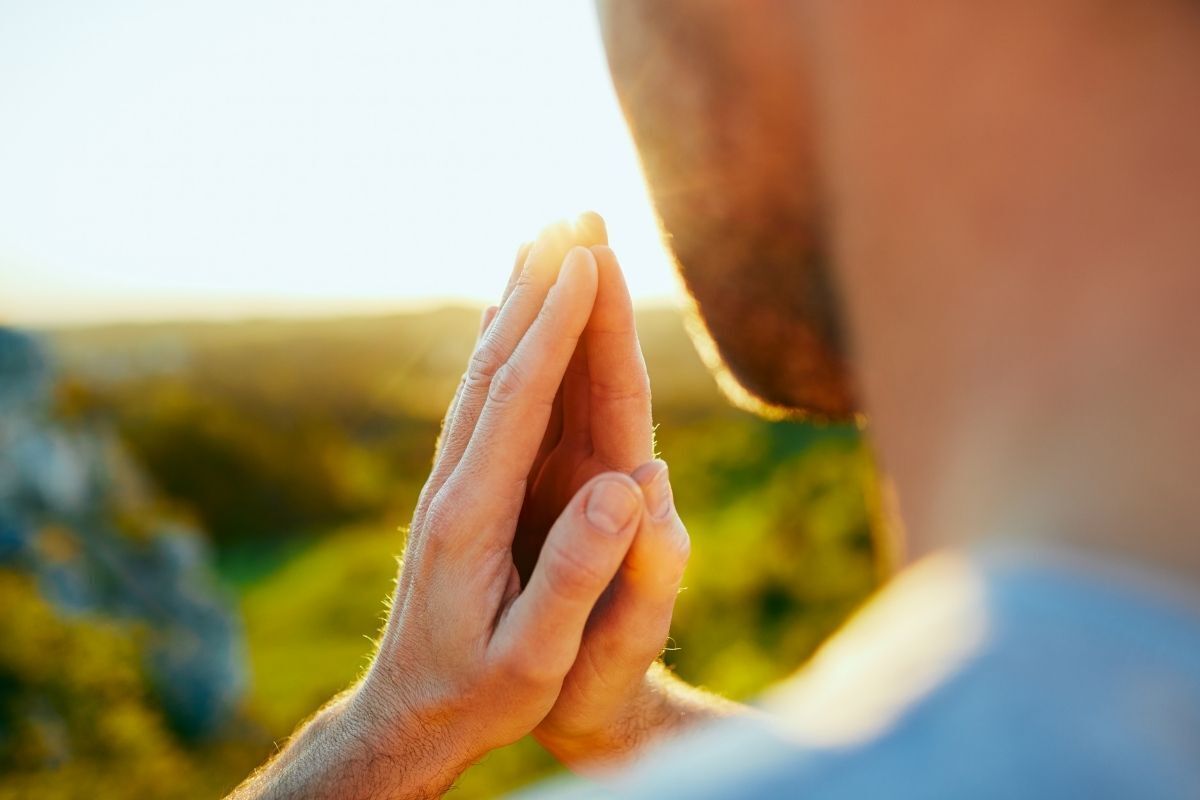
(1019, 248)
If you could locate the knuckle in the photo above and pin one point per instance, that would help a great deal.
(600, 668)
(667, 559)
(681, 545)
(485, 361)
(435, 539)
(680, 566)
(508, 382)
(428, 492)
(438, 523)
(635, 388)
(528, 666)
(570, 576)
(523, 284)
(677, 548)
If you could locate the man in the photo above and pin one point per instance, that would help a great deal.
(975, 223)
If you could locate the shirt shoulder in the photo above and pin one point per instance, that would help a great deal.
(992, 675)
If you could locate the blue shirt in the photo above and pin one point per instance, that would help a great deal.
(1001, 674)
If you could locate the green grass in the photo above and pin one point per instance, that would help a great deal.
(310, 623)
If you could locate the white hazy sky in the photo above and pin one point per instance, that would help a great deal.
(217, 158)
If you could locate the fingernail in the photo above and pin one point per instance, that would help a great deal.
(611, 506)
(658, 493)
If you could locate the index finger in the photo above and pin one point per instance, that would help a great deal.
(497, 459)
(535, 271)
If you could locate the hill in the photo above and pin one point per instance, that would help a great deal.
(298, 447)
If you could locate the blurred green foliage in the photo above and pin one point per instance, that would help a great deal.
(77, 718)
(300, 446)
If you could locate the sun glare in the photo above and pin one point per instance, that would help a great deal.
(218, 159)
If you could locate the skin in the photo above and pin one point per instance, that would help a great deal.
(717, 99)
(484, 644)
(986, 213)
(1017, 247)
(612, 703)
(1001, 198)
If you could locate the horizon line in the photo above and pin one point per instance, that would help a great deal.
(258, 309)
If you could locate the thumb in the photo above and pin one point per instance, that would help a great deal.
(582, 553)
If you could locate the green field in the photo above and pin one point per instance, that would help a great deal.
(300, 446)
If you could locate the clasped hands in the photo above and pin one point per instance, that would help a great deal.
(545, 552)
(542, 563)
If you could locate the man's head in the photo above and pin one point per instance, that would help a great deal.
(977, 221)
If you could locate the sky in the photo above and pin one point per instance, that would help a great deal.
(223, 158)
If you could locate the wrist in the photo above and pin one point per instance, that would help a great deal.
(606, 741)
(421, 744)
(658, 707)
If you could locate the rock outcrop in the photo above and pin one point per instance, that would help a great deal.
(78, 516)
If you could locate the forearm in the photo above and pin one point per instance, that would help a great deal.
(663, 707)
(342, 752)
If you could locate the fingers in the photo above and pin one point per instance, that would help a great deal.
(590, 230)
(659, 554)
(489, 314)
(619, 408)
(629, 631)
(518, 265)
(522, 303)
(485, 320)
(583, 551)
(570, 409)
(534, 271)
(497, 460)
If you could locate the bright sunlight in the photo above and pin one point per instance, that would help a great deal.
(219, 159)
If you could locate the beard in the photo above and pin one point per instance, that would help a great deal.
(717, 100)
(765, 316)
